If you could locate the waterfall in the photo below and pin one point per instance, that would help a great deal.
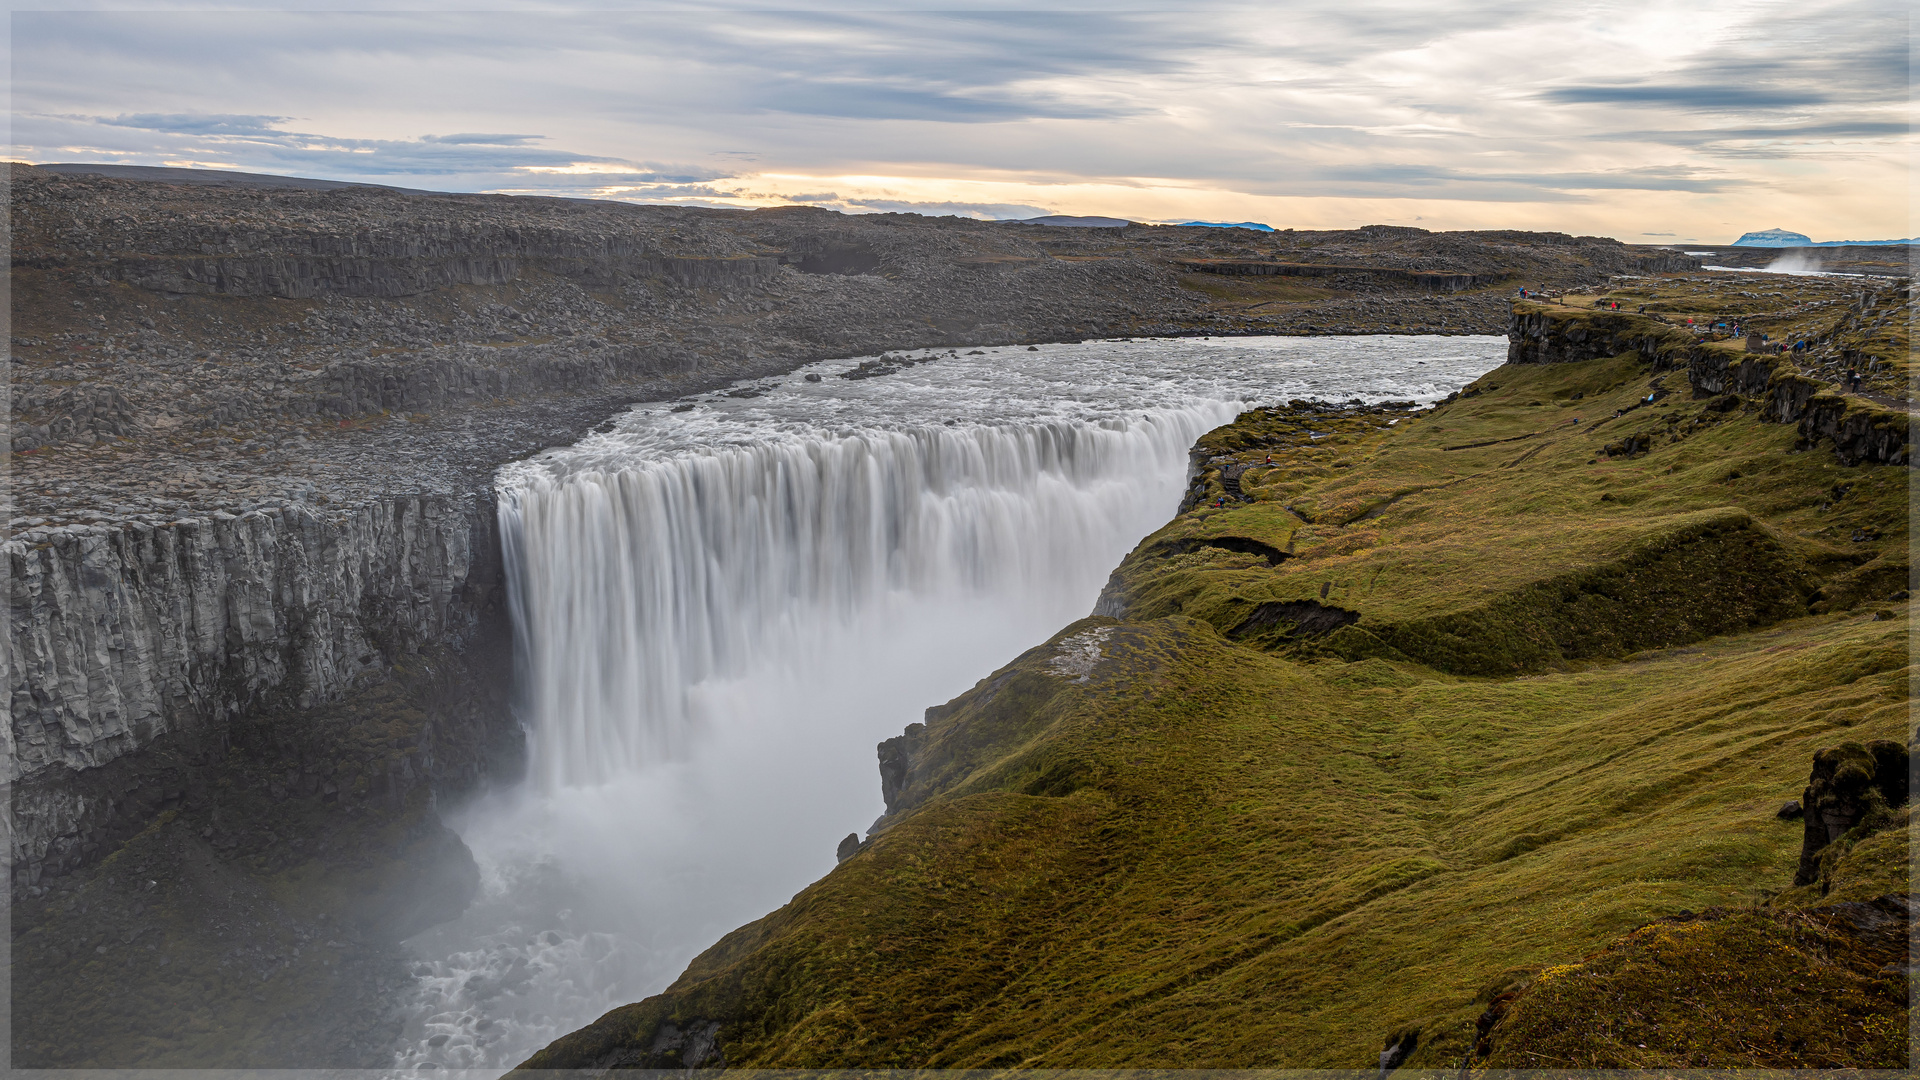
(632, 585)
(721, 604)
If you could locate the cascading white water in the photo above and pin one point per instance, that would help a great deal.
(721, 608)
(633, 586)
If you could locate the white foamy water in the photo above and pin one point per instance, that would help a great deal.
(1796, 262)
(720, 610)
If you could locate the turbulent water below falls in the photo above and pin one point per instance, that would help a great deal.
(722, 604)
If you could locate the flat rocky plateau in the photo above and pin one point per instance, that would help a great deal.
(183, 349)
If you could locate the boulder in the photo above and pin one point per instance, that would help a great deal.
(1849, 786)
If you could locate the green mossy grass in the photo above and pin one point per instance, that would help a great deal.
(1743, 989)
(1496, 535)
(1276, 852)
(1274, 863)
(1807, 981)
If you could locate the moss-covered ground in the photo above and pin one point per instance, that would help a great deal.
(1456, 699)
(1552, 516)
(1808, 982)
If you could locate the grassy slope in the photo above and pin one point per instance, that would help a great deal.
(1277, 853)
(1787, 986)
(1428, 541)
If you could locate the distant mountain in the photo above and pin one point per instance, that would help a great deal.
(1231, 225)
(1081, 222)
(1783, 238)
(1773, 238)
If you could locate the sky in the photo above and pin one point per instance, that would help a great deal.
(1649, 122)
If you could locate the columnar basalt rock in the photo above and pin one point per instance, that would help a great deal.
(1849, 786)
(1858, 430)
(1541, 336)
(119, 636)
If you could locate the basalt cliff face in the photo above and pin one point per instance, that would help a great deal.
(1784, 384)
(120, 637)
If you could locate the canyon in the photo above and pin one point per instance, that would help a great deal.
(339, 372)
(1501, 734)
(259, 608)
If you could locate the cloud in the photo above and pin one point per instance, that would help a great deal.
(196, 123)
(598, 173)
(944, 67)
(678, 191)
(1846, 129)
(1705, 98)
(471, 139)
(984, 211)
(1654, 115)
(257, 142)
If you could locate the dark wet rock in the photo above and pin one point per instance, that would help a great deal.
(1230, 482)
(1399, 1046)
(1295, 618)
(1850, 786)
(286, 936)
(872, 369)
(691, 1046)
(896, 763)
(1791, 811)
(1631, 446)
(849, 846)
(1238, 544)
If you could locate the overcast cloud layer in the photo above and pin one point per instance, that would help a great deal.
(1631, 120)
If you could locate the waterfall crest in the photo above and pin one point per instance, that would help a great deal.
(632, 585)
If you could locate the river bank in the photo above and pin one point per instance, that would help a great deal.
(1405, 749)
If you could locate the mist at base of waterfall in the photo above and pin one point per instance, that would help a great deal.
(594, 897)
(723, 609)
